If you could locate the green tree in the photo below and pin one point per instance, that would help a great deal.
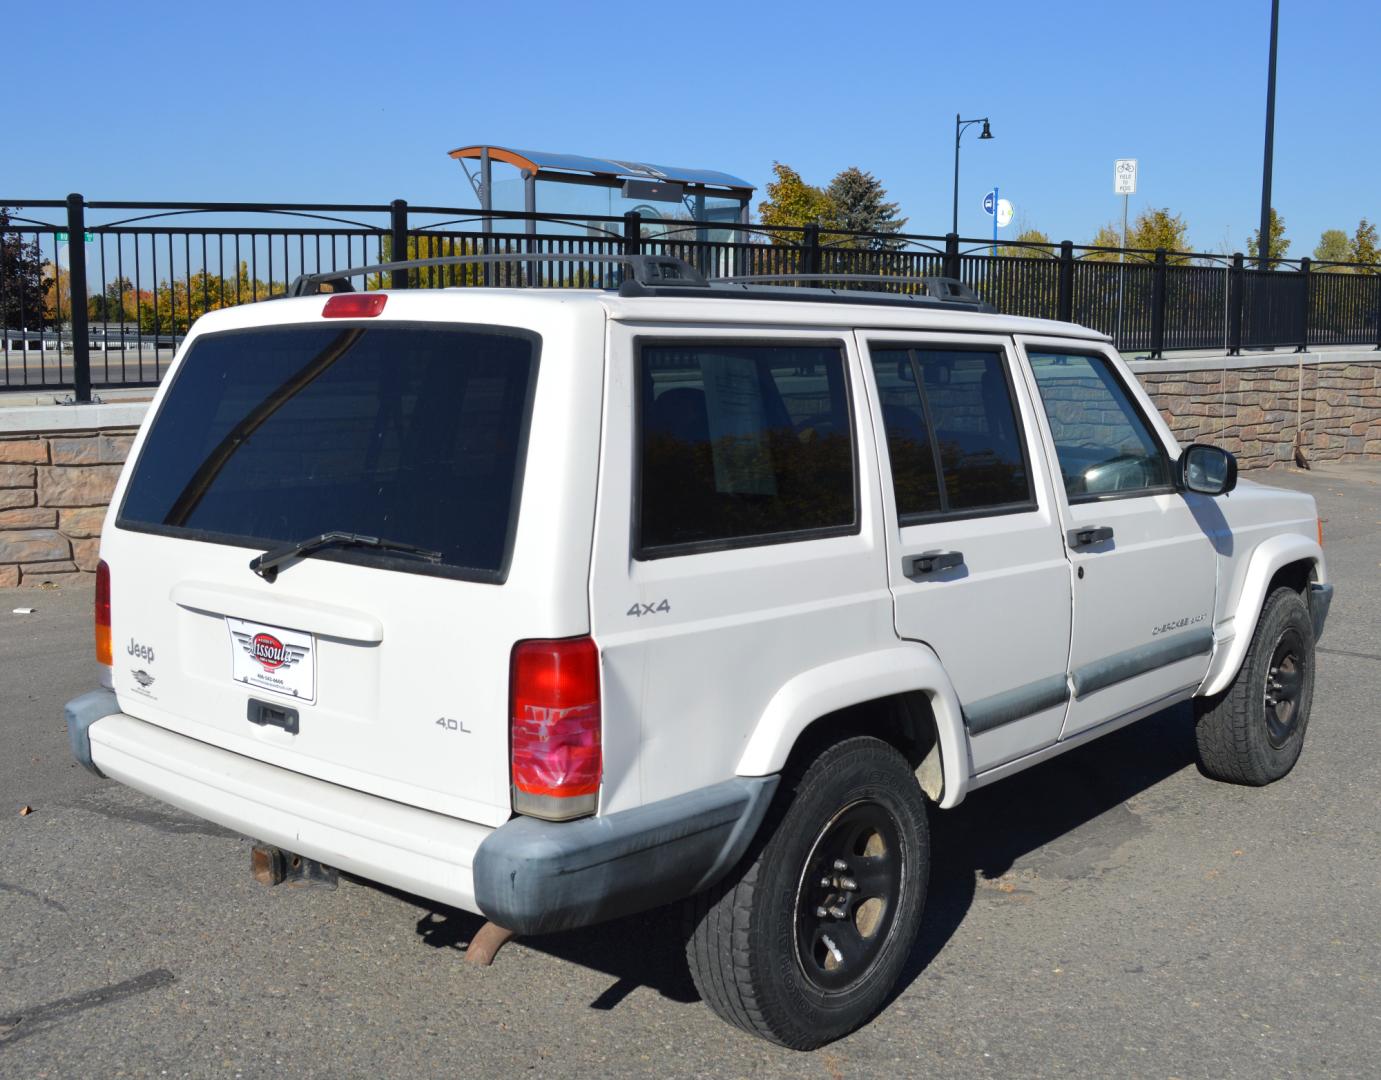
(858, 203)
(1363, 248)
(1156, 227)
(116, 304)
(1279, 244)
(25, 283)
(792, 202)
(1333, 247)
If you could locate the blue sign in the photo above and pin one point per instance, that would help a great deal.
(990, 202)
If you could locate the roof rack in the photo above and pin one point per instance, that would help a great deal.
(665, 275)
(647, 270)
(938, 290)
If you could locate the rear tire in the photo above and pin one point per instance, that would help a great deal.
(1252, 732)
(804, 941)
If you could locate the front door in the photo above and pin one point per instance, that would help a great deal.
(1143, 555)
(976, 562)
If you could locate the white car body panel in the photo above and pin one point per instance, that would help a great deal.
(754, 643)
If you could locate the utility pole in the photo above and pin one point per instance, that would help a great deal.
(1263, 243)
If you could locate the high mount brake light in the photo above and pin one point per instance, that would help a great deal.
(555, 728)
(354, 306)
(104, 653)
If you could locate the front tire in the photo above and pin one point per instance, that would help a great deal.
(805, 940)
(1252, 732)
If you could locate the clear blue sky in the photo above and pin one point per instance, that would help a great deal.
(295, 101)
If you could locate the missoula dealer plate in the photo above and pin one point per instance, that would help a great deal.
(273, 658)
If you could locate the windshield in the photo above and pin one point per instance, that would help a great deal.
(270, 436)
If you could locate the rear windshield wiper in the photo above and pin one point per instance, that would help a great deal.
(267, 564)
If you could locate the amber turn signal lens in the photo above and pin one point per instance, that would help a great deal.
(104, 653)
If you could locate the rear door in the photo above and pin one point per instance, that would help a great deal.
(1145, 564)
(976, 564)
(376, 670)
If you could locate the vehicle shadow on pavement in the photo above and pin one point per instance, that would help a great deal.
(976, 843)
(640, 950)
(984, 838)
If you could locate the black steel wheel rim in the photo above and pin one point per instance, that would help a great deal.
(849, 895)
(1284, 683)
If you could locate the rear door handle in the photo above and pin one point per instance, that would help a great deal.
(1093, 534)
(932, 561)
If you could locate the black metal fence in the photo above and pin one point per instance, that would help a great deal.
(116, 316)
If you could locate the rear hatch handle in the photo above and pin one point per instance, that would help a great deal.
(267, 564)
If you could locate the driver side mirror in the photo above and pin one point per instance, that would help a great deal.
(1209, 470)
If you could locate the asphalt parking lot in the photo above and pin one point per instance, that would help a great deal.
(1110, 913)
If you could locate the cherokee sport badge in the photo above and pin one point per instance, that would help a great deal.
(273, 658)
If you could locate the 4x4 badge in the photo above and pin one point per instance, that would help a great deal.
(271, 653)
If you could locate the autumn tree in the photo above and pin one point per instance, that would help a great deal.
(1279, 244)
(1107, 236)
(57, 294)
(1156, 227)
(792, 202)
(858, 203)
(1363, 246)
(1028, 234)
(1333, 247)
(22, 273)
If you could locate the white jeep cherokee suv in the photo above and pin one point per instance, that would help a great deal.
(556, 605)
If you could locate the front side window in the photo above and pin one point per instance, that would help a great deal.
(952, 432)
(1105, 447)
(742, 444)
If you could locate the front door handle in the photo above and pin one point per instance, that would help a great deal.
(1092, 534)
(932, 561)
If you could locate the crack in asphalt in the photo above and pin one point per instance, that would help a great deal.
(6, 886)
(30, 1021)
(1348, 652)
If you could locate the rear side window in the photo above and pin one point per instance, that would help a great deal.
(742, 444)
(953, 436)
(406, 432)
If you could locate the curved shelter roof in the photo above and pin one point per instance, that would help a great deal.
(540, 161)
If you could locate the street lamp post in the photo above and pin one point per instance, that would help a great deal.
(959, 128)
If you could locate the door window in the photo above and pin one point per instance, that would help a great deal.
(742, 444)
(953, 435)
(1104, 444)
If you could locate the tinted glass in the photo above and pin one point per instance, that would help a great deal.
(743, 441)
(962, 406)
(1104, 445)
(406, 433)
(914, 476)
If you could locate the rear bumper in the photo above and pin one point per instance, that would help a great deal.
(536, 876)
(415, 850)
(527, 875)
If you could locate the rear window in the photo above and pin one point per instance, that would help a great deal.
(410, 433)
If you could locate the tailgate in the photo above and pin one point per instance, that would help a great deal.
(362, 665)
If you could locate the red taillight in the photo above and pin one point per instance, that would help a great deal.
(354, 306)
(555, 727)
(104, 653)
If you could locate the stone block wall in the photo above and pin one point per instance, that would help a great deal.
(1255, 411)
(54, 489)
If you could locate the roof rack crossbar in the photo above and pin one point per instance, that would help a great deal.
(944, 288)
(647, 270)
